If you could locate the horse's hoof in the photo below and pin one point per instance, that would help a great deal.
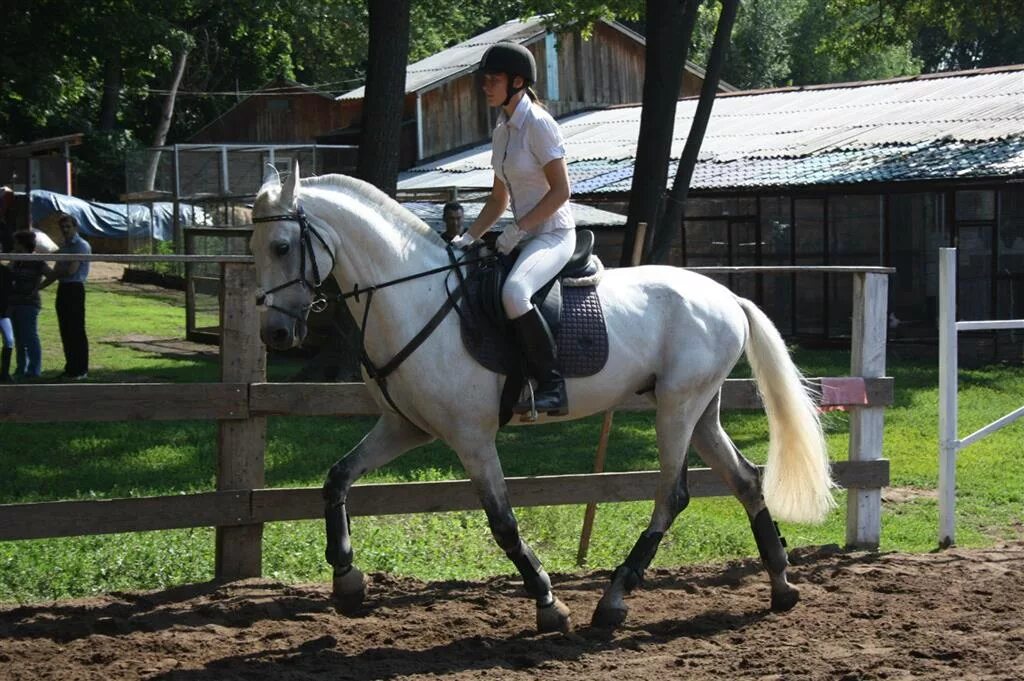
(785, 600)
(349, 590)
(609, 615)
(553, 617)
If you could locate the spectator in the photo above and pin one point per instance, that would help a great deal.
(452, 214)
(71, 301)
(24, 303)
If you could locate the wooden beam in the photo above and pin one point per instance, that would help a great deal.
(312, 399)
(867, 423)
(241, 444)
(110, 516)
(181, 401)
(352, 399)
(235, 507)
(123, 402)
(248, 507)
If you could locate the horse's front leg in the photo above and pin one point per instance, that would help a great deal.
(390, 437)
(484, 469)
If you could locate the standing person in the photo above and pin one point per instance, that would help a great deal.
(6, 329)
(24, 304)
(70, 305)
(528, 157)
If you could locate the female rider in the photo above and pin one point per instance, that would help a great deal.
(528, 157)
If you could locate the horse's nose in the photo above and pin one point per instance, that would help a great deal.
(279, 336)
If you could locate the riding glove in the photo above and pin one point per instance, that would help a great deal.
(510, 238)
(464, 240)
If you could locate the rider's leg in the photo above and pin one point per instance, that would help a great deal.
(7, 334)
(540, 261)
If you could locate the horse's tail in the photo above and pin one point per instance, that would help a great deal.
(797, 485)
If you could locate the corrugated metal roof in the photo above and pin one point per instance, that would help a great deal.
(950, 125)
(462, 57)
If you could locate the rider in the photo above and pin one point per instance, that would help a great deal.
(528, 157)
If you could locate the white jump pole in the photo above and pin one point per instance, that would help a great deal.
(948, 441)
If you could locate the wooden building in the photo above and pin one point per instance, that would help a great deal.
(281, 112)
(445, 111)
(873, 173)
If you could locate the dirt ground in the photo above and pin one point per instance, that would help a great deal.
(958, 614)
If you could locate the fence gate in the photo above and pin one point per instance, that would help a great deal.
(949, 443)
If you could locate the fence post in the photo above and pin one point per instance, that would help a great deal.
(241, 443)
(867, 359)
(948, 415)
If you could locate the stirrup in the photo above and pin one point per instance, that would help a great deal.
(531, 415)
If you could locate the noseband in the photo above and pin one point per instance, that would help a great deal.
(306, 234)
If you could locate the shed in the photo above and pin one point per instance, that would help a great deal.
(866, 173)
(281, 112)
(445, 111)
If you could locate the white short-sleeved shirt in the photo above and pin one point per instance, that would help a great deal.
(521, 146)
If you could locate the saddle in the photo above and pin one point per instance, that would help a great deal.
(569, 304)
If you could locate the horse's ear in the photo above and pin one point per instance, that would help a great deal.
(271, 176)
(291, 186)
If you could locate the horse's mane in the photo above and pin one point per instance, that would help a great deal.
(381, 202)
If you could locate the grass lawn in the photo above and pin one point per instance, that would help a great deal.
(105, 460)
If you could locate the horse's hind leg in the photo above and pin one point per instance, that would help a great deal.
(675, 421)
(390, 437)
(484, 468)
(720, 453)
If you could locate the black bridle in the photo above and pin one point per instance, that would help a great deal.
(306, 234)
(319, 302)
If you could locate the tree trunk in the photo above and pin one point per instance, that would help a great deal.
(380, 142)
(669, 30)
(110, 103)
(672, 219)
(166, 114)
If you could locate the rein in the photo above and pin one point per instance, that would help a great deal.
(320, 302)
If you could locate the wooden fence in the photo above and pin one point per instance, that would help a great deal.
(241, 402)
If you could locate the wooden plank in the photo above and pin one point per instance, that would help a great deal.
(110, 257)
(42, 403)
(552, 490)
(109, 516)
(867, 358)
(122, 402)
(242, 508)
(352, 399)
(312, 399)
(241, 444)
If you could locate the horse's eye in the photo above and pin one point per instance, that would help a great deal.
(281, 247)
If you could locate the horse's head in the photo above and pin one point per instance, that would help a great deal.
(293, 259)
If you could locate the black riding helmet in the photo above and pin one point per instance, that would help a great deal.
(513, 60)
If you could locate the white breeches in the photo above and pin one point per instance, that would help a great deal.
(542, 257)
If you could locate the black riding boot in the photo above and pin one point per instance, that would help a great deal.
(5, 365)
(542, 361)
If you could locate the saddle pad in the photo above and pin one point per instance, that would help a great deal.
(582, 338)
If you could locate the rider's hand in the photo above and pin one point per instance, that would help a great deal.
(464, 240)
(509, 239)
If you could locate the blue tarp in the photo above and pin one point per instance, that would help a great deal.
(114, 220)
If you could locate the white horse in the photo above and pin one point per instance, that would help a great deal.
(672, 333)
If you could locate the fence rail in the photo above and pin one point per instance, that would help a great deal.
(241, 402)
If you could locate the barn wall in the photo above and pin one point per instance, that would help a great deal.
(286, 119)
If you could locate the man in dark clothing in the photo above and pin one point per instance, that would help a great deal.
(71, 301)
